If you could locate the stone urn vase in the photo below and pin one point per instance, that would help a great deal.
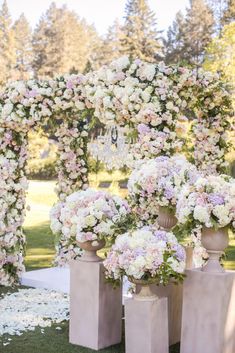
(215, 241)
(90, 248)
(166, 218)
(144, 288)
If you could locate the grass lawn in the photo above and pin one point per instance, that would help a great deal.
(40, 254)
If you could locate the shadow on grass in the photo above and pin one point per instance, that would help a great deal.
(40, 248)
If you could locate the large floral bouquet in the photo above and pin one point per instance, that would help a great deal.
(210, 202)
(146, 254)
(158, 182)
(89, 215)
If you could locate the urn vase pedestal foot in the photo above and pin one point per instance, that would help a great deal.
(95, 307)
(208, 320)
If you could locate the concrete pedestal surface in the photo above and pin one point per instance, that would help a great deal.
(95, 307)
(174, 295)
(208, 321)
(146, 326)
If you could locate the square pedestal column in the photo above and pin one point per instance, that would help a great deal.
(146, 326)
(95, 307)
(208, 321)
(174, 295)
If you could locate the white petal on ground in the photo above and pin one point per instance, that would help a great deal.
(29, 308)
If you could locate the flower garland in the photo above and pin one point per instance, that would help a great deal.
(150, 98)
(13, 185)
(154, 98)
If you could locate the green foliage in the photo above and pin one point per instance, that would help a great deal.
(42, 157)
(220, 54)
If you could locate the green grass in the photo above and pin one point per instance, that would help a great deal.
(40, 248)
(52, 340)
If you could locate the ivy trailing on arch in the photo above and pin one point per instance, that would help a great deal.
(153, 101)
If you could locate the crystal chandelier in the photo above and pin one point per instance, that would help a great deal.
(111, 148)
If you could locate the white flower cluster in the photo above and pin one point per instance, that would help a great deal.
(158, 182)
(210, 202)
(30, 308)
(144, 254)
(88, 215)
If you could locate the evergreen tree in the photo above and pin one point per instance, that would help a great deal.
(175, 40)
(7, 45)
(23, 45)
(62, 43)
(140, 37)
(111, 47)
(197, 32)
(229, 13)
(218, 8)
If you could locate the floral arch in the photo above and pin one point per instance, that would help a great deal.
(151, 100)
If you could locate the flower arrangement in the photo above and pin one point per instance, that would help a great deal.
(151, 98)
(210, 202)
(146, 254)
(89, 216)
(157, 182)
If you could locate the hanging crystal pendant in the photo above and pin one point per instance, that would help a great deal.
(111, 148)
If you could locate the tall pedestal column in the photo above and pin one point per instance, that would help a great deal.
(146, 326)
(174, 295)
(208, 321)
(95, 307)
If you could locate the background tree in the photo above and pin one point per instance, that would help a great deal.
(197, 32)
(220, 54)
(218, 7)
(175, 40)
(23, 46)
(112, 47)
(7, 45)
(140, 38)
(62, 43)
(229, 13)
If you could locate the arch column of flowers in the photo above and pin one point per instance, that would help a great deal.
(25, 106)
(151, 99)
(13, 186)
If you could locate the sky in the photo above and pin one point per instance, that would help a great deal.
(101, 13)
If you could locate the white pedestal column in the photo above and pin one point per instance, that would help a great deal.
(174, 295)
(146, 326)
(208, 321)
(95, 307)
